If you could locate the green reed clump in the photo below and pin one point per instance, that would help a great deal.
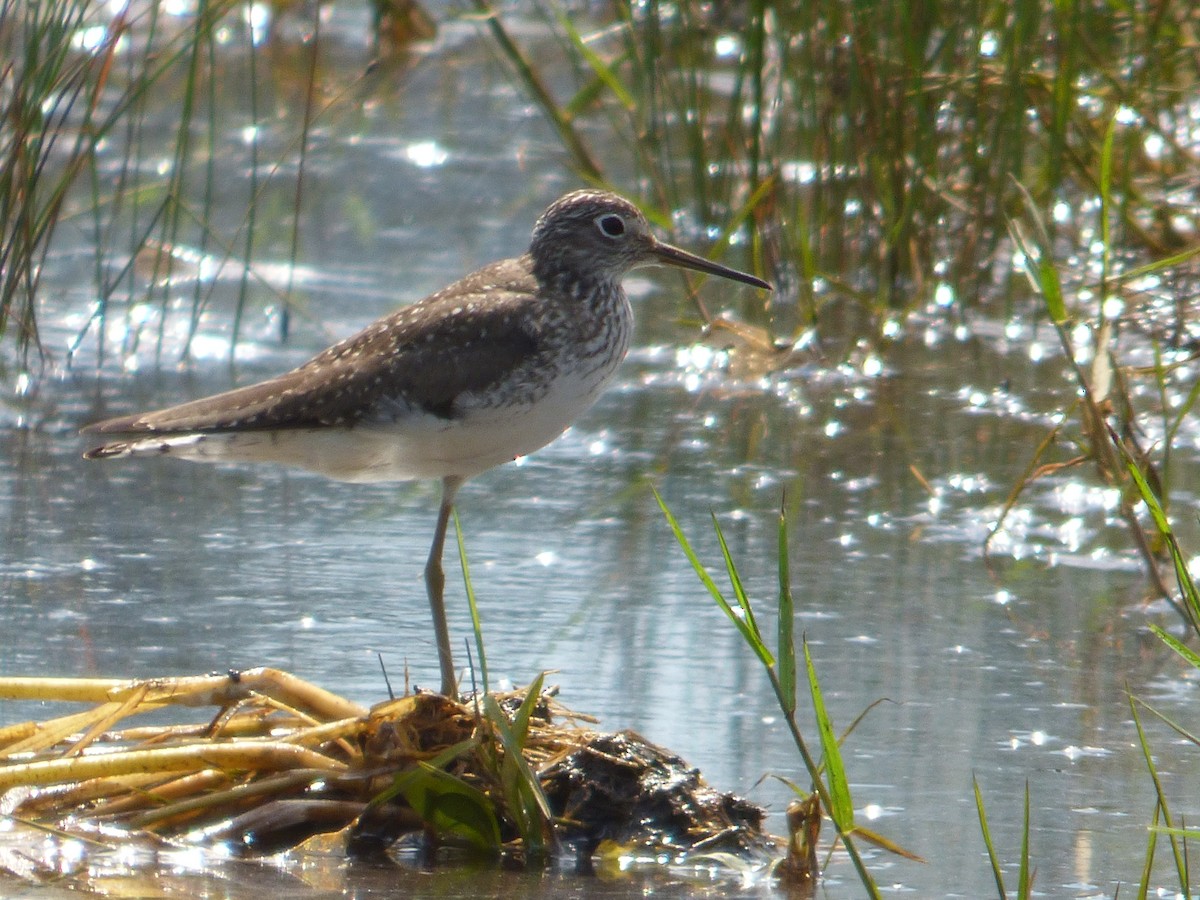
(150, 87)
(1105, 416)
(876, 148)
(160, 218)
(1105, 424)
(1164, 823)
(49, 100)
(74, 75)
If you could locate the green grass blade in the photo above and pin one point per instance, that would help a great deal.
(786, 650)
(603, 71)
(1039, 262)
(1106, 165)
(524, 796)
(520, 723)
(987, 841)
(1185, 833)
(567, 133)
(476, 624)
(1171, 723)
(1024, 879)
(1148, 865)
(1144, 743)
(1159, 265)
(753, 640)
(1192, 657)
(1052, 290)
(451, 806)
(885, 843)
(743, 599)
(842, 810)
(1183, 575)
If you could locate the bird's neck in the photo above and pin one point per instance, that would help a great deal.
(577, 285)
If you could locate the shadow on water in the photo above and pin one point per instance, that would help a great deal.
(1013, 670)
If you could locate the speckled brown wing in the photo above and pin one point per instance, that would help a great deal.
(465, 338)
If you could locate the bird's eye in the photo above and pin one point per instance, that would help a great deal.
(611, 225)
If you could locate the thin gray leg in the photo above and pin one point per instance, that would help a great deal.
(435, 583)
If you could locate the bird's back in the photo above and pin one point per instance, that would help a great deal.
(470, 377)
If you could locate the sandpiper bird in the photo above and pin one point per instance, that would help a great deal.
(486, 370)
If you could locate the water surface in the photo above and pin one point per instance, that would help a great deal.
(1015, 673)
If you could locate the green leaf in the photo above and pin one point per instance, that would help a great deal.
(527, 803)
(1052, 289)
(885, 843)
(439, 761)
(1191, 833)
(1148, 865)
(1024, 879)
(735, 581)
(1171, 723)
(1106, 166)
(445, 802)
(835, 773)
(1159, 265)
(1178, 646)
(604, 72)
(1039, 266)
(993, 857)
(1159, 792)
(450, 805)
(520, 723)
(786, 650)
(1183, 575)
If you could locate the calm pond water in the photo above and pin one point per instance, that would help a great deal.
(1015, 674)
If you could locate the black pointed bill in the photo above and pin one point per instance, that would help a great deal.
(667, 255)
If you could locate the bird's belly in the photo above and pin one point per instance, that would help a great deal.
(475, 440)
(414, 446)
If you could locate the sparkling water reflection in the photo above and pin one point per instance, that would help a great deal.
(165, 567)
(1012, 670)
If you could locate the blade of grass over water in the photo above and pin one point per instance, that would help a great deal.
(1026, 875)
(835, 797)
(739, 591)
(842, 809)
(476, 623)
(545, 100)
(1160, 793)
(786, 644)
(1189, 655)
(1108, 429)
(311, 87)
(1190, 609)
(1170, 723)
(1148, 865)
(747, 627)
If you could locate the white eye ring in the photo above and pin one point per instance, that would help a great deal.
(611, 225)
